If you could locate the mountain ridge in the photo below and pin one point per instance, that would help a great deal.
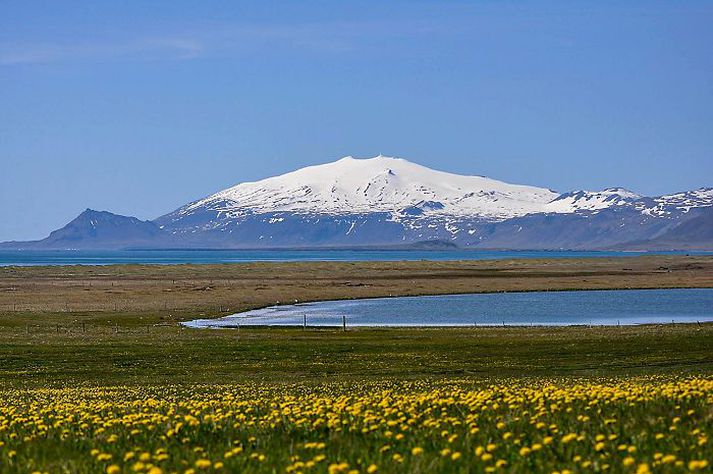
(376, 184)
(385, 201)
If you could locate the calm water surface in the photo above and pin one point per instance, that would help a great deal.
(169, 257)
(555, 308)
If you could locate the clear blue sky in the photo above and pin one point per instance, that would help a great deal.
(139, 107)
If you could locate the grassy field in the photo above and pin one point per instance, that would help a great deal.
(117, 324)
(446, 426)
(97, 376)
(174, 355)
(147, 294)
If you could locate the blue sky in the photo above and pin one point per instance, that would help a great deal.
(140, 107)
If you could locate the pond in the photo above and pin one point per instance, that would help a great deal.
(551, 308)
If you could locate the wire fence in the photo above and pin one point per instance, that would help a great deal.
(79, 328)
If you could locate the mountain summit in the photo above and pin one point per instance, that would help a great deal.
(385, 201)
(101, 229)
(379, 184)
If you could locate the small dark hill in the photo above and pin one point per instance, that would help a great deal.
(99, 230)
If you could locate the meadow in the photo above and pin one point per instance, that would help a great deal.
(136, 295)
(647, 424)
(96, 375)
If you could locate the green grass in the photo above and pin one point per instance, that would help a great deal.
(118, 324)
(108, 340)
(171, 354)
(533, 425)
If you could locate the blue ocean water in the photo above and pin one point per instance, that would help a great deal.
(168, 257)
(552, 308)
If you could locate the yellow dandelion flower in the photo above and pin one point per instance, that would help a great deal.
(203, 463)
(643, 468)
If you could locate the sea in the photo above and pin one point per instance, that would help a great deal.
(176, 257)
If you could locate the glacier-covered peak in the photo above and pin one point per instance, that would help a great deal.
(384, 184)
(378, 184)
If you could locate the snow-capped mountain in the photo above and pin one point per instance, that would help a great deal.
(384, 201)
(380, 184)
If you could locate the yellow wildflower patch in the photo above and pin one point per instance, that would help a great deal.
(563, 426)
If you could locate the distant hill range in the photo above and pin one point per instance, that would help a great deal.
(386, 202)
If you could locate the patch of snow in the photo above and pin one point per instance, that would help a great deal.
(591, 200)
(684, 201)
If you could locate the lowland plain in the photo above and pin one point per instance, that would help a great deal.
(98, 376)
(119, 324)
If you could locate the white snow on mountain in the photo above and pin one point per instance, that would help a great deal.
(677, 202)
(385, 184)
(591, 200)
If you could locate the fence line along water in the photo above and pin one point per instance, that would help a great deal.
(560, 308)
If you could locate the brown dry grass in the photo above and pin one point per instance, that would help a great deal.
(176, 292)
